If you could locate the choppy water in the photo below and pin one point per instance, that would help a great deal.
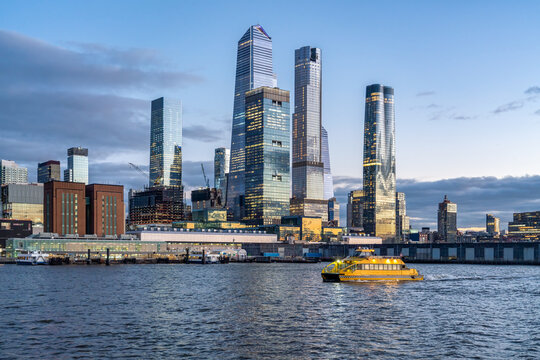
(241, 311)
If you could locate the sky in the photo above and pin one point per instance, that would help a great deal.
(466, 76)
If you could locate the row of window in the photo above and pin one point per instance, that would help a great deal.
(377, 267)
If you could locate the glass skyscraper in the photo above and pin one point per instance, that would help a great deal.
(307, 166)
(267, 157)
(379, 218)
(221, 169)
(166, 143)
(402, 220)
(328, 180)
(48, 171)
(253, 69)
(77, 161)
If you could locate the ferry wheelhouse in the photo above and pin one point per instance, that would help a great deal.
(365, 266)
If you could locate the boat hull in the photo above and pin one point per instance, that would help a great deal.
(336, 277)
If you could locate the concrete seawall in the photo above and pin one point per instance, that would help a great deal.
(517, 253)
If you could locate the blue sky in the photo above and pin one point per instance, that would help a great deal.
(466, 77)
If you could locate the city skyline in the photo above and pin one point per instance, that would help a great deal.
(419, 131)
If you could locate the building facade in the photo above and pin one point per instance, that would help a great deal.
(105, 210)
(328, 179)
(254, 69)
(64, 208)
(447, 221)
(492, 225)
(48, 171)
(525, 226)
(379, 218)
(267, 156)
(307, 166)
(402, 220)
(166, 143)
(156, 205)
(77, 170)
(221, 169)
(333, 212)
(11, 173)
(355, 209)
(22, 202)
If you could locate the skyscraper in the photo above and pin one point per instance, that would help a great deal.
(328, 180)
(380, 163)
(355, 209)
(48, 171)
(11, 173)
(166, 142)
(77, 170)
(253, 69)
(447, 221)
(307, 167)
(267, 157)
(221, 169)
(492, 225)
(402, 220)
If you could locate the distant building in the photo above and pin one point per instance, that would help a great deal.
(166, 143)
(310, 227)
(48, 171)
(22, 202)
(328, 179)
(333, 212)
(307, 166)
(492, 225)
(221, 169)
(253, 70)
(267, 156)
(379, 218)
(402, 220)
(11, 173)
(447, 221)
(525, 226)
(208, 205)
(13, 229)
(105, 210)
(77, 170)
(355, 209)
(64, 208)
(156, 205)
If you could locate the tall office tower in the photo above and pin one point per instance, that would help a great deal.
(48, 171)
(402, 220)
(166, 142)
(11, 173)
(328, 180)
(333, 212)
(447, 221)
(77, 170)
(307, 167)
(267, 175)
(380, 163)
(492, 225)
(253, 70)
(221, 169)
(355, 209)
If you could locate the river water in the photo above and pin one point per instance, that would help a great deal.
(278, 311)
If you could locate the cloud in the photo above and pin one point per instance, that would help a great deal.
(474, 196)
(537, 112)
(202, 133)
(533, 90)
(91, 95)
(511, 106)
(426, 93)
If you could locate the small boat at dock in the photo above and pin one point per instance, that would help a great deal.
(32, 258)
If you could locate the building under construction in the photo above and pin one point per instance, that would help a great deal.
(156, 205)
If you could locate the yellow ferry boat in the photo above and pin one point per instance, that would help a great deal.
(365, 266)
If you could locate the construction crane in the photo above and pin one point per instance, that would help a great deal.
(206, 181)
(138, 169)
